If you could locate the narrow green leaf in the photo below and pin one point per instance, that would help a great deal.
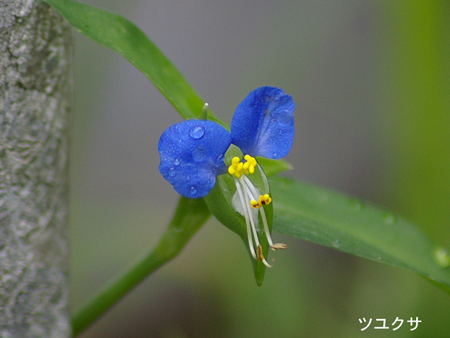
(360, 228)
(128, 40)
(189, 216)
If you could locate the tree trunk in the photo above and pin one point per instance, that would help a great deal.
(35, 100)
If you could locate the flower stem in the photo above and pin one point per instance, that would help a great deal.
(189, 216)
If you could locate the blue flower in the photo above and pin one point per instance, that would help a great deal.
(263, 123)
(193, 152)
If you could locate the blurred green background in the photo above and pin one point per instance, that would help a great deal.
(371, 83)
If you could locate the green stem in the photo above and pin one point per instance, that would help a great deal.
(189, 216)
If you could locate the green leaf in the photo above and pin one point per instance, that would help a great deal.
(360, 228)
(128, 40)
(189, 217)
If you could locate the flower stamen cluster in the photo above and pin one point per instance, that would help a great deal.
(246, 204)
(237, 168)
(263, 200)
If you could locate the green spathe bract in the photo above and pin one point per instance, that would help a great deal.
(219, 201)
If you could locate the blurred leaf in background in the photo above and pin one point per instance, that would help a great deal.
(415, 102)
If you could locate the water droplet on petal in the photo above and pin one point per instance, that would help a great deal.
(171, 172)
(197, 132)
(176, 161)
(442, 257)
(193, 191)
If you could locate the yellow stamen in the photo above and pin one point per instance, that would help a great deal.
(265, 199)
(259, 253)
(260, 256)
(255, 204)
(238, 168)
(248, 197)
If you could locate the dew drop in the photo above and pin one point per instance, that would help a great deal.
(171, 172)
(197, 132)
(176, 161)
(193, 191)
(389, 218)
(442, 257)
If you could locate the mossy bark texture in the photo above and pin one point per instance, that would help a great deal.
(35, 101)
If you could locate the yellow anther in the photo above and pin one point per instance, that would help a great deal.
(260, 256)
(255, 204)
(250, 160)
(265, 199)
(238, 168)
(259, 253)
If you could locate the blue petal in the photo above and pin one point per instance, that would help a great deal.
(192, 154)
(263, 123)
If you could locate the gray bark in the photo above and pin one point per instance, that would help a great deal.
(35, 100)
